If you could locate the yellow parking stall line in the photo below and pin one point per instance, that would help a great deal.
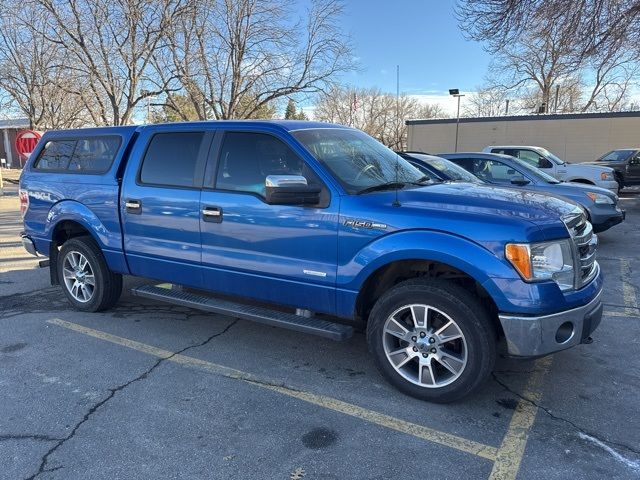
(419, 431)
(628, 292)
(511, 451)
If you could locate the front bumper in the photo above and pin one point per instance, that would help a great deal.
(537, 336)
(28, 244)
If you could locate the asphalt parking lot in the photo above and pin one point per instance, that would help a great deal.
(150, 390)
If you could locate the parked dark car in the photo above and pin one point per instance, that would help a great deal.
(438, 168)
(601, 204)
(625, 162)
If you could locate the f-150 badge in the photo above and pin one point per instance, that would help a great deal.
(364, 224)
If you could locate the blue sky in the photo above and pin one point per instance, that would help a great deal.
(422, 36)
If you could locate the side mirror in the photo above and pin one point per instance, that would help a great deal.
(520, 181)
(290, 190)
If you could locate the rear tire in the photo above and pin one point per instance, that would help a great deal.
(86, 280)
(432, 340)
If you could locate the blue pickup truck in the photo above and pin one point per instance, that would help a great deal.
(317, 228)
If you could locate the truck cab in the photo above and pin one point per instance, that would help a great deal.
(317, 228)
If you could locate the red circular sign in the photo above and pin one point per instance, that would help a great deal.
(26, 142)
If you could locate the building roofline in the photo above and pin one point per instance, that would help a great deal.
(518, 118)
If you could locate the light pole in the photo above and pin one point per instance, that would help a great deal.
(454, 92)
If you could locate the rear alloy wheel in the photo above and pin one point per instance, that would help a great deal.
(78, 276)
(85, 276)
(432, 339)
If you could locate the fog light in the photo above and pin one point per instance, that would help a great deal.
(565, 332)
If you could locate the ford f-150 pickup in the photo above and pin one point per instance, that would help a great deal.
(317, 228)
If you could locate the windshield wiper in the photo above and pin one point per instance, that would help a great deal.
(393, 185)
(382, 186)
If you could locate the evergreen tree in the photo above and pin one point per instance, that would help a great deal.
(290, 112)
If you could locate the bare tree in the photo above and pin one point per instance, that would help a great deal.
(32, 73)
(540, 59)
(614, 71)
(487, 101)
(232, 58)
(595, 25)
(110, 45)
(381, 115)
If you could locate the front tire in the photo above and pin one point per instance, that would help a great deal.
(432, 340)
(85, 277)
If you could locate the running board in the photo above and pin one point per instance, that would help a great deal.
(274, 318)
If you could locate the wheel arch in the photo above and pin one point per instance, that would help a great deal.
(584, 181)
(63, 231)
(395, 272)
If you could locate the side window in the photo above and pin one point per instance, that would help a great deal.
(500, 172)
(171, 159)
(533, 159)
(94, 155)
(246, 159)
(56, 155)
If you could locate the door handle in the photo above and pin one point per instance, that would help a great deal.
(212, 214)
(133, 206)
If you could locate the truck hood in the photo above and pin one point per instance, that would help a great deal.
(602, 164)
(587, 168)
(486, 214)
(489, 200)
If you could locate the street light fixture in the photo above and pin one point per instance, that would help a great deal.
(454, 92)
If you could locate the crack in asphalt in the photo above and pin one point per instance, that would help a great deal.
(562, 419)
(112, 391)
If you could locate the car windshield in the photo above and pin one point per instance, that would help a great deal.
(359, 162)
(533, 171)
(616, 156)
(551, 156)
(448, 169)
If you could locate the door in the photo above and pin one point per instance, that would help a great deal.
(633, 169)
(284, 254)
(160, 205)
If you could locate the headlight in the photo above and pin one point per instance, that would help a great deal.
(601, 199)
(543, 261)
(606, 176)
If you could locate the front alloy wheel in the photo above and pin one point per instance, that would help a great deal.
(432, 339)
(425, 346)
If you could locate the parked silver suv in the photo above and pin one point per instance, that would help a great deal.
(556, 167)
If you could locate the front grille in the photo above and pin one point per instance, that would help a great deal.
(586, 244)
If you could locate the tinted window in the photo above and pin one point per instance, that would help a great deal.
(247, 158)
(56, 155)
(171, 159)
(616, 156)
(94, 154)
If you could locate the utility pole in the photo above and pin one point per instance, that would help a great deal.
(506, 109)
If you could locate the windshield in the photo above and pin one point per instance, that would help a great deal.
(358, 161)
(449, 169)
(533, 171)
(616, 156)
(551, 156)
